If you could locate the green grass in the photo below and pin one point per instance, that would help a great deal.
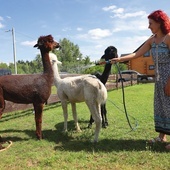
(53, 90)
(118, 148)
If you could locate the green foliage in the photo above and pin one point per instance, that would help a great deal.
(118, 148)
(119, 66)
(4, 65)
(86, 60)
(72, 61)
(100, 68)
(71, 57)
(94, 69)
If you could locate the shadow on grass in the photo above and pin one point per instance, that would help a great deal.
(82, 141)
(66, 142)
(15, 115)
(72, 141)
(19, 114)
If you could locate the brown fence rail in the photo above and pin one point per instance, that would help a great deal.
(110, 85)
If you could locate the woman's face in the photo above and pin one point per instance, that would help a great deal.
(154, 26)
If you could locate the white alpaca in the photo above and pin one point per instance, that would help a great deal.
(85, 88)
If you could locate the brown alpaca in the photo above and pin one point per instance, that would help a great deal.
(31, 88)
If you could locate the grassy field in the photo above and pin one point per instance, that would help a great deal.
(119, 147)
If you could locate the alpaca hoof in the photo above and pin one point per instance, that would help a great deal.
(89, 126)
(79, 130)
(1, 140)
(94, 141)
(65, 131)
(39, 137)
(106, 123)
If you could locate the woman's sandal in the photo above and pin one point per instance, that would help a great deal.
(168, 147)
(156, 140)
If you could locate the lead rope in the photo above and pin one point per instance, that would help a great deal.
(123, 98)
(5, 148)
(124, 102)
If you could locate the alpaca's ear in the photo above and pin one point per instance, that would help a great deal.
(59, 62)
(38, 44)
(53, 61)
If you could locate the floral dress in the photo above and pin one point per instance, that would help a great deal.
(161, 57)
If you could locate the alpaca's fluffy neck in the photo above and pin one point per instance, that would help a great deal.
(46, 63)
(106, 73)
(57, 77)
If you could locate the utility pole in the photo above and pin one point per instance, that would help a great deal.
(14, 48)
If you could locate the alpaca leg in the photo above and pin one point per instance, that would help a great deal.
(2, 102)
(105, 115)
(104, 118)
(90, 122)
(65, 114)
(96, 114)
(98, 121)
(38, 108)
(74, 111)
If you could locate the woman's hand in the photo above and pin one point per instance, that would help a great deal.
(114, 60)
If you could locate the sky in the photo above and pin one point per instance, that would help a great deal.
(93, 25)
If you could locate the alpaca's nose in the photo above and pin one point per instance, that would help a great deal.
(57, 45)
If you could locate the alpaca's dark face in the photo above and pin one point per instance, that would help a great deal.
(47, 43)
(109, 53)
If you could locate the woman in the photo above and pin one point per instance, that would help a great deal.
(159, 44)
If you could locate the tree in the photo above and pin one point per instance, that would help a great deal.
(38, 63)
(3, 65)
(69, 52)
(87, 60)
(71, 57)
(72, 61)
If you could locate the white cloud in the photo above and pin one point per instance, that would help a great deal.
(94, 34)
(120, 12)
(130, 15)
(109, 8)
(66, 29)
(130, 44)
(98, 46)
(131, 25)
(1, 18)
(8, 17)
(79, 29)
(1, 25)
(99, 33)
(28, 43)
(114, 9)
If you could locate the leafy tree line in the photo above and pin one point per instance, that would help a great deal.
(72, 62)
